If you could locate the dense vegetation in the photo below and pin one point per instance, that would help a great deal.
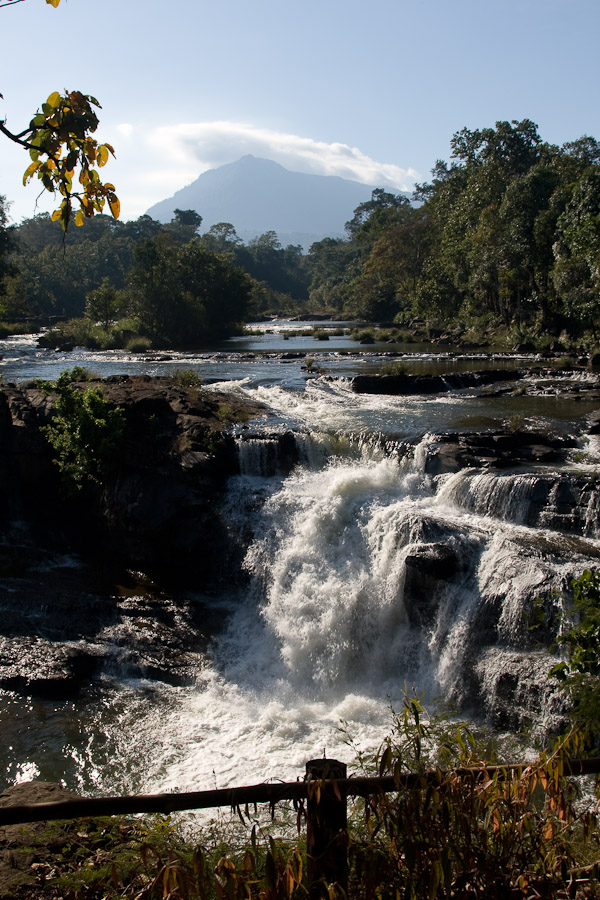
(508, 234)
(505, 236)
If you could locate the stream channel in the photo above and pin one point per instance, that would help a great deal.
(322, 639)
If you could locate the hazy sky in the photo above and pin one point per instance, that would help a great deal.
(370, 90)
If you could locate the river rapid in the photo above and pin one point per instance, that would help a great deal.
(331, 625)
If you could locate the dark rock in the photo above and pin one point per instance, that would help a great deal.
(594, 420)
(160, 507)
(426, 564)
(40, 668)
(430, 384)
(452, 452)
(19, 850)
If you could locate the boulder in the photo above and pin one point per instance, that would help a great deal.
(425, 566)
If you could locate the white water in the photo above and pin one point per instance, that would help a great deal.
(323, 638)
(326, 634)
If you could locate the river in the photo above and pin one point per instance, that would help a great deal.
(320, 643)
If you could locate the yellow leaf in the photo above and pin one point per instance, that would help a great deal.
(56, 214)
(102, 155)
(115, 206)
(53, 3)
(78, 218)
(30, 171)
(54, 99)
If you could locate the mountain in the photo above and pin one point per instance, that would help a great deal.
(258, 195)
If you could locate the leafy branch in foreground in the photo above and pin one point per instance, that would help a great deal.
(494, 834)
(59, 142)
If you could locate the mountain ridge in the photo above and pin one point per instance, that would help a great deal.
(257, 195)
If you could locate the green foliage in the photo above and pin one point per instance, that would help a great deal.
(184, 294)
(59, 140)
(579, 674)
(505, 242)
(105, 304)
(187, 378)
(138, 344)
(494, 834)
(86, 433)
(394, 368)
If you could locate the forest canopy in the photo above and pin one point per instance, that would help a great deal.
(506, 235)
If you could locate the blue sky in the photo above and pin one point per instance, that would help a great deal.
(368, 90)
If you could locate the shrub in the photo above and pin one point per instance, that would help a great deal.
(186, 378)
(138, 344)
(394, 368)
(579, 674)
(86, 432)
(495, 833)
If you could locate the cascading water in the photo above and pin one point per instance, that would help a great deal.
(364, 572)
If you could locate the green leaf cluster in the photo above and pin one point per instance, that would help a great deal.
(579, 673)
(86, 432)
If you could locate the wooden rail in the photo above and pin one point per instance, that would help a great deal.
(325, 788)
(257, 793)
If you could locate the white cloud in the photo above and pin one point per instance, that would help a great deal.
(196, 147)
(152, 164)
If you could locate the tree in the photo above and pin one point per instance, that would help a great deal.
(184, 294)
(221, 238)
(188, 218)
(59, 140)
(579, 674)
(387, 284)
(577, 250)
(104, 304)
(373, 215)
(6, 245)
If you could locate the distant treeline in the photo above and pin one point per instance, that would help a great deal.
(505, 235)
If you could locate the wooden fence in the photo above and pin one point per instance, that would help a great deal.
(325, 789)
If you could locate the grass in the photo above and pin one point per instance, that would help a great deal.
(187, 378)
(8, 329)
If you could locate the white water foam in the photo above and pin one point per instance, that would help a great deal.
(327, 630)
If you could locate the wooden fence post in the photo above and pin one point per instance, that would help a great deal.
(326, 827)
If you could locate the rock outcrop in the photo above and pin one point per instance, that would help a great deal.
(72, 597)
(159, 510)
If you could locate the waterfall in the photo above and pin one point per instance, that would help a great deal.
(362, 572)
(505, 496)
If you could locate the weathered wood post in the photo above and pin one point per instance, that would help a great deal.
(326, 827)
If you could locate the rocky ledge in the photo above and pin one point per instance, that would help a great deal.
(73, 601)
(158, 511)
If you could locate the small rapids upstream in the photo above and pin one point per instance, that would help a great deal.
(365, 572)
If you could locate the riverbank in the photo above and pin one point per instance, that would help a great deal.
(72, 560)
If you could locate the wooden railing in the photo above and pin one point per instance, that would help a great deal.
(325, 789)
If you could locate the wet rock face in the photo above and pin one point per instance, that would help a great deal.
(430, 384)
(426, 565)
(494, 450)
(159, 511)
(63, 618)
(61, 628)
